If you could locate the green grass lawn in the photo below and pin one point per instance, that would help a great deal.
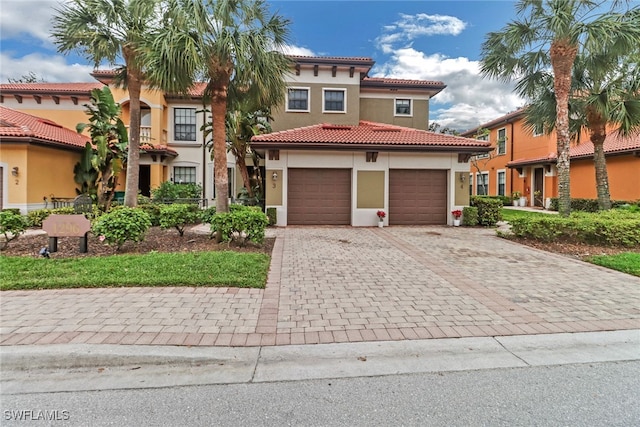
(628, 262)
(219, 268)
(510, 214)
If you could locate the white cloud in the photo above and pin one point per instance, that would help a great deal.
(468, 100)
(50, 68)
(31, 18)
(298, 50)
(410, 27)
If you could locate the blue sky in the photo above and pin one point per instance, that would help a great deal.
(431, 40)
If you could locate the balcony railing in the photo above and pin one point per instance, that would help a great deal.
(146, 138)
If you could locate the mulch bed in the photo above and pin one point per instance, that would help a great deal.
(574, 250)
(156, 239)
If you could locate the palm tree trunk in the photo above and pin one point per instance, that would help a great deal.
(134, 84)
(563, 55)
(597, 136)
(241, 164)
(219, 111)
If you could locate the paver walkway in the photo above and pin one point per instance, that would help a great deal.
(343, 284)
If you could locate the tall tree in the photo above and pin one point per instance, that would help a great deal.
(112, 30)
(234, 45)
(549, 34)
(109, 138)
(605, 95)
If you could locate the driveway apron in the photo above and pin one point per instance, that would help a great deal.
(344, 284)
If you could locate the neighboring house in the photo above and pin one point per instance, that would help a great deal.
(37, 157)
(347, 145)
(373, 143)
(525, 162)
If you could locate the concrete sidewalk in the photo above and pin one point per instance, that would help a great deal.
(41, 369)
(344, 284)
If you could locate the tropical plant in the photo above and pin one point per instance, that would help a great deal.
(235, 45)
(122, 224)
(108, 30)
(549, 35)
(85, 175)
(605, 94)
(109, 136)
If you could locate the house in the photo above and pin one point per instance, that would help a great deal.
(337, 127)
(346, 145)
(37, 157)
(524, 161)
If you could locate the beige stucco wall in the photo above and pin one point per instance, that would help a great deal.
(273, 188)
(461, 188)
(382, 110)
(370, 189)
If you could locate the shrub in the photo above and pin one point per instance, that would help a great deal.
(614, 228)
(14, 210)
(153, 210)
(12, 225)
(171, 191)
(179, 215)
(488, 209)
(470, 216)
(241, 225)
(35, 218)
(206, 215)
(590, 205)
(272, 214)
(122, 224)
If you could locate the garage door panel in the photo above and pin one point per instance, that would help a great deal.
(417, 197)
(319, 197)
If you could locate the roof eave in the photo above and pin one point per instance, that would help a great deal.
(367, 147)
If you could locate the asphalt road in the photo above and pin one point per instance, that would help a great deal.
(590, 394)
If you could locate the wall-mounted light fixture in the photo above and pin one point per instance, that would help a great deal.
(274, 176)
(15, 171)
(462, 178)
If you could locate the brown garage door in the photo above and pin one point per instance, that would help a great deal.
(417, 197)
(319, 197)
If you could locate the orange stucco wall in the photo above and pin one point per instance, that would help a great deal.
(624, 178)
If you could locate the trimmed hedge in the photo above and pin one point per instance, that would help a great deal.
(245, 223)
(590, 205)
(488, 209)
(179, 215)
(272, 214)
(612, 228)
(470, 216)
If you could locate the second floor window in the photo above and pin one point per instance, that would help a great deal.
(298, 99)
(403, 107)
(184, 124)
(484, 137)
(502, 141)
(334, 100)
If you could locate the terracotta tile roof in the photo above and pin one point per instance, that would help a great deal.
(19, 125)
(49, 88)
(384, 82)
(331, 59)
(613, 144)
(159, 149)
(367, 135)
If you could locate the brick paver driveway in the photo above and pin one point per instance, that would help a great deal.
(330, 284)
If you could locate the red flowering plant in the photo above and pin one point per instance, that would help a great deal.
(381, 215)
(456, 213)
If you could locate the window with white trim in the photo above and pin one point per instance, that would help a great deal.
(184, 174)
(298, 99)
(502, 181)
(184, 124)
(501, 144)
(484, 137)
(333, 101)
(482, 184)
(538, 130)
(403, 107)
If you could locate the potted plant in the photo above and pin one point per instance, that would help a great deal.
(381, 215)
(457, 213)
(515, 198)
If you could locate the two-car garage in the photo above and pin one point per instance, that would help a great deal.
(323, 196)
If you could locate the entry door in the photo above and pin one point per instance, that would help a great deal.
(144, 180)
(538, 186)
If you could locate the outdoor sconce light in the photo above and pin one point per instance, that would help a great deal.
(462, 178)
(274, 176)
(15, 171)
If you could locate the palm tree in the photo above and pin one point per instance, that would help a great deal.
(106, 30)
(235, 45)
(550, 34)
(605, 94)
